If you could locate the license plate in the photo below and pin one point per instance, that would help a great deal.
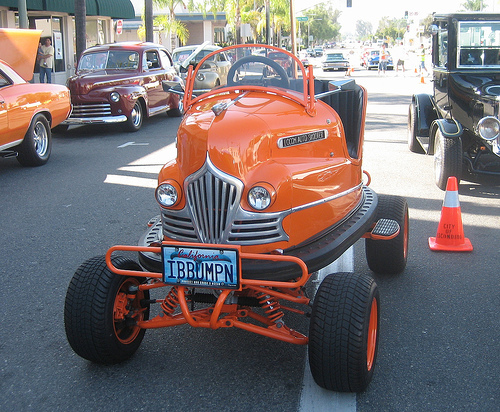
(201, 267)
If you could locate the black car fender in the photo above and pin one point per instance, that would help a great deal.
(426, 113)
(449, 128)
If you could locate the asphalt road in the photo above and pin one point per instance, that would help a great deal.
(439, 347)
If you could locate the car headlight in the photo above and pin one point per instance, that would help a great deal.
(261, 196)
(114, 97)
(168, 194)
(489, 128)
(200, 77)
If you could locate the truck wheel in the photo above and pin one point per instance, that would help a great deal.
(134, 121)
(37, 144)
(389, 256)
(343, 333)
(101, 310)
(447, 159)
(413, 143)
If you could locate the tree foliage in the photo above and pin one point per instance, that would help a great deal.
(364, 30)
(474, 5)
(391, 29)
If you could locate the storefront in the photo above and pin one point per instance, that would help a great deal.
(56, 20)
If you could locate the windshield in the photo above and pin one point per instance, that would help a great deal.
(121, 60)
(336, 56)
(479, 43)
(180, 56)
(250, 67)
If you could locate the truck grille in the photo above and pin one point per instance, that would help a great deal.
(213, 213)
(91, 110)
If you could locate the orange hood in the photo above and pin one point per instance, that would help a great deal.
(19, 47)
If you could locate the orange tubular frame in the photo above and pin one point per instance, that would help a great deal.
(221, 314)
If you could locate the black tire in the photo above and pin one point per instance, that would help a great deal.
(390, 256)
(94, 328)
(134, 121)
(447, 158)
(413, 143)
(343, 333)
(37, 144)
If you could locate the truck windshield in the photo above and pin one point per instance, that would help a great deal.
(479, 43)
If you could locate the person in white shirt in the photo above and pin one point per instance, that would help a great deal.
(46, 61)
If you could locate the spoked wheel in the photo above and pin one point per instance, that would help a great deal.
(390, 256)
(447, 159)
(102, 309)
(343, 333)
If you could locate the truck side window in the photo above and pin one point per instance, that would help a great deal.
(443, 47)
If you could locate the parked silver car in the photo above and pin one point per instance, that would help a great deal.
(214, 70)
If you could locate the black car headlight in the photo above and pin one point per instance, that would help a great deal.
(489, 128)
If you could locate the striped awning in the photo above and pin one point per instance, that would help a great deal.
(116, 9)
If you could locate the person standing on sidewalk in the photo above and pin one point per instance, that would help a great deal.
(46, 61)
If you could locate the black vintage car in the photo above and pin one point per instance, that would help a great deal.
(459, 124)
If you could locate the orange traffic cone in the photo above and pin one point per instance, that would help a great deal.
(450, 234)
(422, 80)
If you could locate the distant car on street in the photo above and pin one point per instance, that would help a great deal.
(28, 111)
(318, 51)
(333, 61)
(214, 70)
(122, 83)
(371, 59)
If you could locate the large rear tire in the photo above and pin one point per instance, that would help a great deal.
(390, 256)
(343, 333)
(101, 311)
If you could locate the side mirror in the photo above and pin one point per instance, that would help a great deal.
(434, 29)
(172, 86)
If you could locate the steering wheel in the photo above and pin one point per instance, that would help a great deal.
(282, 82)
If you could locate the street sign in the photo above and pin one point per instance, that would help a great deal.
(119, 26)
(302, 18)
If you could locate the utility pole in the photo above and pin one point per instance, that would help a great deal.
(23, 14)
(148, 17)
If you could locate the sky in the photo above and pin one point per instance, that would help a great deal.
(374, 10)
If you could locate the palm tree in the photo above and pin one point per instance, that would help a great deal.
(80, 29)
(168, 23)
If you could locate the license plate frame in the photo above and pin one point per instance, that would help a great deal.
(201, 266)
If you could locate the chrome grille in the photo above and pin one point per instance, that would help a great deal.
(213, 213)
(91, 110)
(213, 198)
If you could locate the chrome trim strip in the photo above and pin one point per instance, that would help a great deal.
(326, 199)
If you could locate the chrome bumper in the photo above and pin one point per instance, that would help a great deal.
(95, 120)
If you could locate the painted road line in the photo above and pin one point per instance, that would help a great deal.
(132, 144)
(313, 398)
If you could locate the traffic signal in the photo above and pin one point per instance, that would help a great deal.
(349, 3)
